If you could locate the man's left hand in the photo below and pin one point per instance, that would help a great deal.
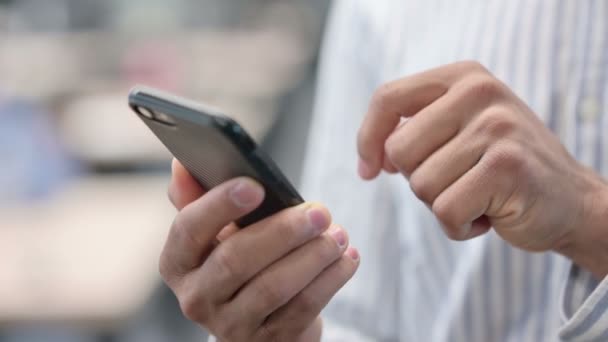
(479, 157)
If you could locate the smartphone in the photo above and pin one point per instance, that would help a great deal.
(213, 148)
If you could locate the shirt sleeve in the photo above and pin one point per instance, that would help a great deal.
(334, 332)
(584, 307)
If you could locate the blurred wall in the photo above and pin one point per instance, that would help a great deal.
(83, 209)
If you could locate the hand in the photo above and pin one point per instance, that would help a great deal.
(267, 282)
(478, 157)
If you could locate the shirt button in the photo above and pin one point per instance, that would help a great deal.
(590, 109)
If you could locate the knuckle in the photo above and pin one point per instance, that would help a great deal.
(483, 86)
(307, 304)
(507, 157)
(380, 96)
(394, 149)
(422, 187)
(182, 226)
(446, 214)
(270, 333)
(472, 66)
(496, 123)
(269, 293)
(227, 262)
(227, 328)
(193, 306)
(167, 270)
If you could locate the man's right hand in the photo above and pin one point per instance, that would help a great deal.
(267, 282)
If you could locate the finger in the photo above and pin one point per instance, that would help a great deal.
(456, 157)
(227, 232)
(249, 251)
(437, 124)
(389, 167)
(183, 188)
(479, 227)
(195, 228)
(279, 283)
(402, 98)
(486, 186)
(389, 104)
(303, 309)
(446, 165)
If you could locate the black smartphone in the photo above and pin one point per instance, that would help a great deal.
(213, 148)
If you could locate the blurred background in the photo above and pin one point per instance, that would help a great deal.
(83, 208)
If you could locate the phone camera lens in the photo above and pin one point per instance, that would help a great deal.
(145, 112)
(164, 118)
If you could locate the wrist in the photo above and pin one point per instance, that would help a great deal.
(587, 243)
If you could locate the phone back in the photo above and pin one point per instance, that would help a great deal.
(214, 149)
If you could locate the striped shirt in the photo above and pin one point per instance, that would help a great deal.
(414, 284)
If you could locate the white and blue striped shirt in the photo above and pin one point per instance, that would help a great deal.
(414, 284)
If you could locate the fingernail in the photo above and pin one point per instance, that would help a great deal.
(339, 236)
(353, 254)
(317, 219)
(364, 169)
(246, 194)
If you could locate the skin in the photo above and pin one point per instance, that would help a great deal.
(240, 284)
(480, 158)
(470, 149)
